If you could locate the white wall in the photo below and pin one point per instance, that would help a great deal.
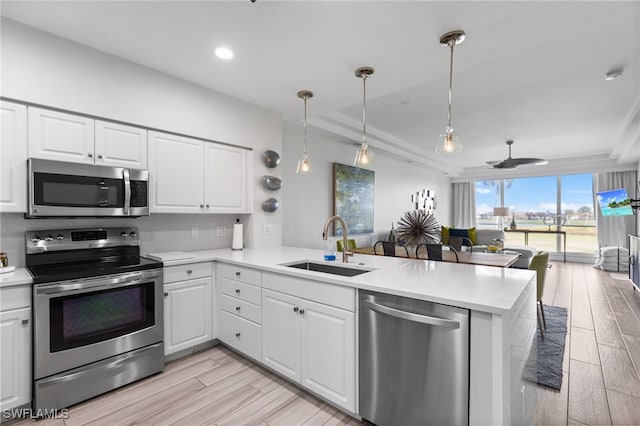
(307, 200)
(41, 68)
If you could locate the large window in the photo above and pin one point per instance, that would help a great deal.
(562, 203)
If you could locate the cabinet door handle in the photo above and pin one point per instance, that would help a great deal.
(166, 294)
(25, 321)
(238, 308)
(238, 274)
(237, 291)
(295, 309)
(90, 155)
(237, 334)
(202, 206)
(301, 311)
(100, 156)
(208, 206)
(189, 271)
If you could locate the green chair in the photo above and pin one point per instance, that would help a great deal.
(539, 264)
(350, 242)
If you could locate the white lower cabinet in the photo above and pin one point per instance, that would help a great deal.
(15, 351)
(240, 313)
(188, 306)
(281, 333)
(311, 343)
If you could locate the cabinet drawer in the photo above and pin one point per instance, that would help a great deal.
(242, 291)
(243, 335)
(241, 308)
(240, 273)
(186, 272)
(15, 297)
(328, 294)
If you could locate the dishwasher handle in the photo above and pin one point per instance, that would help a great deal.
(424, 319)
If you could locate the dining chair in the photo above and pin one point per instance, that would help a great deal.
(388, 248)
(351, 245)
(434, 251)
(458, 242)
(539, 264)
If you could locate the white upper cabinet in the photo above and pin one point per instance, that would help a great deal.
(226, 173)
(67, 137)
(120, 146)
(59, 136)
(176, 169)
(13, 158)
(193, 176)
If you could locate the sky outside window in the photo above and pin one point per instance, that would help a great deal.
(531, 199)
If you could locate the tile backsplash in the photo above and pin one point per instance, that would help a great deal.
(158, 233)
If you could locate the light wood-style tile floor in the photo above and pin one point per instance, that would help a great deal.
(601, 385)
(213, 387)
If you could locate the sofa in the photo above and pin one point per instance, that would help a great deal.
(485, 236)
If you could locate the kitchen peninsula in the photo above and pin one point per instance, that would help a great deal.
(251, 285)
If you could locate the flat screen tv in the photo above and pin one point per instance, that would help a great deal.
(614, 203)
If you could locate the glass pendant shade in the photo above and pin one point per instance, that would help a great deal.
(364, 156)
(449, 142)
(304, 166)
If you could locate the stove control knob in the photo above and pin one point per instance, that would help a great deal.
(59, 237)
(48, 237)
(35, 238)
(133, 234)
(124, 234)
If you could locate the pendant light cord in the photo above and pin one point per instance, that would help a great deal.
(305, 124)
(364, 109)
(452, 43)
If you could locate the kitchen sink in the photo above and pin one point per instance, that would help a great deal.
(328, 269)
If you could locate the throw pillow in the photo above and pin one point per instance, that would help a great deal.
(469, 233)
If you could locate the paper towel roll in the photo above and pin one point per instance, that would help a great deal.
(237, 237)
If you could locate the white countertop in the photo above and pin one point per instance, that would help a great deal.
(18, 277)
(483, 288)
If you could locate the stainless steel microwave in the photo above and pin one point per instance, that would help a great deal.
(61, 189)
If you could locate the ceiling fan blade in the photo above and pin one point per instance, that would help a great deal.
(536, 161)
(506, 164)
(512, 163)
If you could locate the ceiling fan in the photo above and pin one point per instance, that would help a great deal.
(512, 163)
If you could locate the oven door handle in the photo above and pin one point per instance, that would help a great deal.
(122, 281)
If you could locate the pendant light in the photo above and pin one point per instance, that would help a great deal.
(449, 141)
(303, 164)
(364, 156)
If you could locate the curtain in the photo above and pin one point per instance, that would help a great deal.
(613, 230)
(464, 204)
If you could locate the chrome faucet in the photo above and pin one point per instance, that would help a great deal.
(345, 252)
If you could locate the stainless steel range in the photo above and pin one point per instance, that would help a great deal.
(98, 313)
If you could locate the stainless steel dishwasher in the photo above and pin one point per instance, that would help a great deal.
(414, 361)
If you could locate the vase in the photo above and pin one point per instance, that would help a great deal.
(513, 222)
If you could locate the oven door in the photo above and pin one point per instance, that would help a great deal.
(82, 321)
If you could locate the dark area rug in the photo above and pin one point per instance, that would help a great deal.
(550, 350)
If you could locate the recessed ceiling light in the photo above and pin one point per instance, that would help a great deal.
(612, 75)
(223, 53)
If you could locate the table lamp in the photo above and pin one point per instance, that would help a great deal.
(501, 212)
